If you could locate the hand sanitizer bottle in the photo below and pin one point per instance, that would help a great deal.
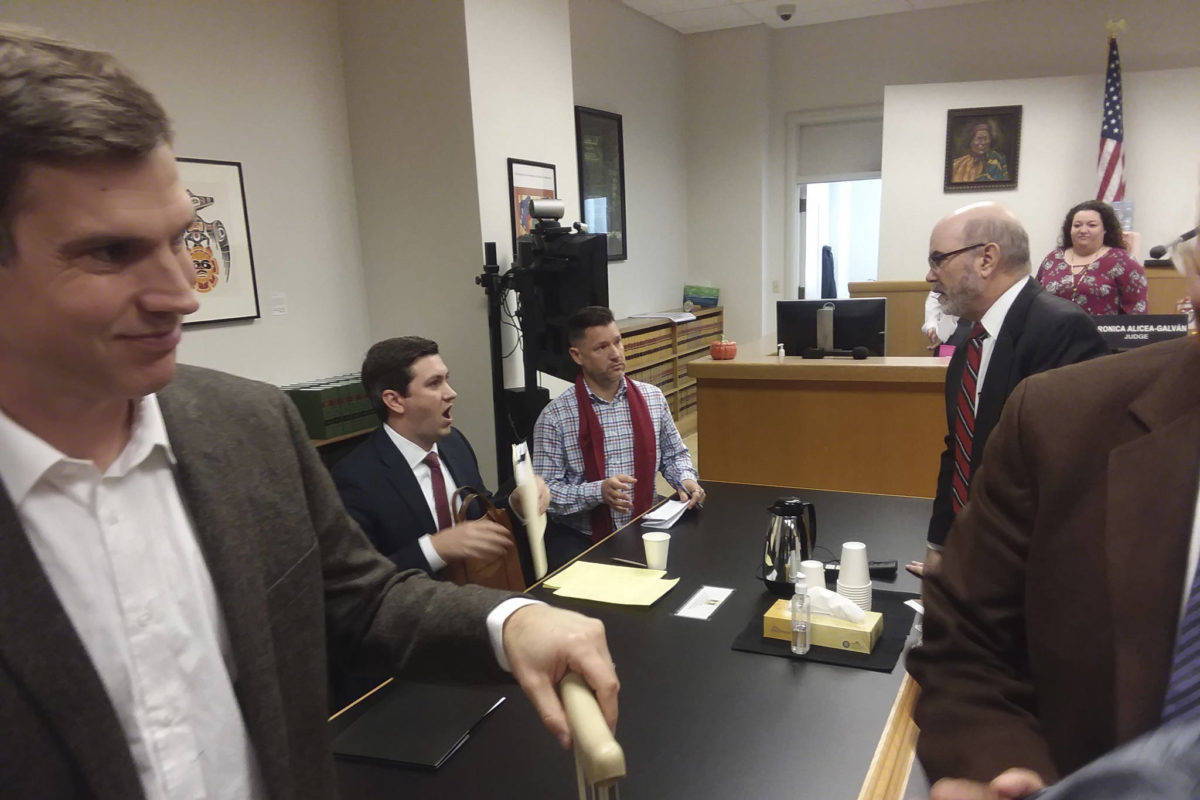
(801, 612)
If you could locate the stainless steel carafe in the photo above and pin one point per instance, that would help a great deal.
(791, 536)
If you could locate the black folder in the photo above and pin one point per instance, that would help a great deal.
(416, 724)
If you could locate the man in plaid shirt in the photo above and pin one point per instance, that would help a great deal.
(587, 500)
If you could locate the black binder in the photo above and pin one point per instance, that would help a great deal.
(416, 724)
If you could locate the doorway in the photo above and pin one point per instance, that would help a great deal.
(844, 216)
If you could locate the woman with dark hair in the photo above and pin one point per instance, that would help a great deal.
(1091, 266)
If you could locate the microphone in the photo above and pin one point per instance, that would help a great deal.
(1160, 250)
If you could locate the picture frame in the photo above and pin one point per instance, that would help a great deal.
(218, 241)
(600, 149)
(983, 148)
(528, 180)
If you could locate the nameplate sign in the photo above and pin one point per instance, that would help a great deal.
(1125, 331)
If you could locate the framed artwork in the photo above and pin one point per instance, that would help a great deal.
(601, 152)
(983, 148)
(218, 240)
(528, 180)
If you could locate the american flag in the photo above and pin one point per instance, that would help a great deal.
(1110, 167)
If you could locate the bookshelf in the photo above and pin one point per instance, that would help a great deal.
(658, 351)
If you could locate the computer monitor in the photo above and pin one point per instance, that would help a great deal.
(857, 322)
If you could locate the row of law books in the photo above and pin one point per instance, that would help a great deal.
(334, 406)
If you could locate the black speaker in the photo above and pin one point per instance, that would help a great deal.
(523, 406)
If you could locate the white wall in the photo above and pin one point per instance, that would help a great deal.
(1059, 139)
(522, 100)
(727, 105)
(411, 126)
(259, 83)
(626, 63)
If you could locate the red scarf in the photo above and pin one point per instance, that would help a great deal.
(591, 442)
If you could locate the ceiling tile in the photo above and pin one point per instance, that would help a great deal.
(656, 7)
(707, 19)
(693, 16)
(917, 5)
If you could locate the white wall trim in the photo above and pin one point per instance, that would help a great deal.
(834, 177)
(793, 122)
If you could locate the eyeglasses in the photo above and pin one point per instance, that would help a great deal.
(936, 259)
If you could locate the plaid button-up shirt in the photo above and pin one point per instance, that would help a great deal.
(559, 460)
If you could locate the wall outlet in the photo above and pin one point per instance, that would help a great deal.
(775, 287)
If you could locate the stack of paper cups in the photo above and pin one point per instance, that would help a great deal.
(854, 580)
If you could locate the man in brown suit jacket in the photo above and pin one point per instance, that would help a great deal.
(1050, 623)
(174, 558)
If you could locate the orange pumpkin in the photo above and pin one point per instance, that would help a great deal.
(722, 350)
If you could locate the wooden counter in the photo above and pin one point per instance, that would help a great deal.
(1166, 286)
(905, 313)
(876, 426)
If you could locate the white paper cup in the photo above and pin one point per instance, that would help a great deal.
(656, 543)
(859, 595)
(854, 570)
(814, 573)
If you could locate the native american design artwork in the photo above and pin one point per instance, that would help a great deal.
(200, 239)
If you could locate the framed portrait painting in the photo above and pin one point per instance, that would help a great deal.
(983, 148)
(528, 180)
(218, 241)
(600, 149)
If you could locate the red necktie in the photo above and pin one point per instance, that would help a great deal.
(964, 419)
(439, 491)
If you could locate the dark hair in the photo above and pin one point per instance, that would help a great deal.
(1113, 236)
(586, 317)
(388, 365)
(62, 103)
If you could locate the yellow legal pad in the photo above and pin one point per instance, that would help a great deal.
(608, 583)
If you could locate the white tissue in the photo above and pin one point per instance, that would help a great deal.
(826, 602)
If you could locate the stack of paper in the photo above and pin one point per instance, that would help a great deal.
(665, 515)
(606, 583)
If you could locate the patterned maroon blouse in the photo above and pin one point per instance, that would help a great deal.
(1112, 284)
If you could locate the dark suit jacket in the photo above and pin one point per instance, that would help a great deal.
(1040, 332)
(291, 571)
(383, 496)
(1050, 624)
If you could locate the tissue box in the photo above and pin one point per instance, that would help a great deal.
(827, 631)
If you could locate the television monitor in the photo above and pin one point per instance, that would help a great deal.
(560, 276)
(857, 322)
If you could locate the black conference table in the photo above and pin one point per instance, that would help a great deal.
(698, 719)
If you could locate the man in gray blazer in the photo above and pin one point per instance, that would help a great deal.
(174, 558)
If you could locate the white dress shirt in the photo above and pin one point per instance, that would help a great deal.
(121, 554)
(937, 320)
(993, 321)
(414, 454)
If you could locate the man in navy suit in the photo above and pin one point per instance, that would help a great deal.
(1009, 329)
(399, 484)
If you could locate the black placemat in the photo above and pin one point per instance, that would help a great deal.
(897, 621)
(416, 724)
